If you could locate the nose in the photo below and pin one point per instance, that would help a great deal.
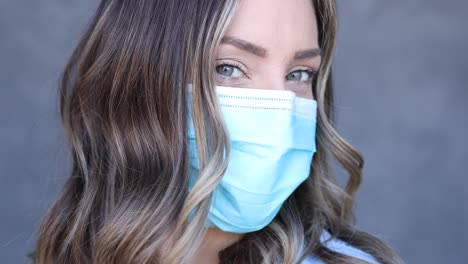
(272, 81)
(273, 86)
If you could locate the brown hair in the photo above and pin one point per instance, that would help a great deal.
(123, 106)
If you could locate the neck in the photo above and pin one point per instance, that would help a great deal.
(214, 241)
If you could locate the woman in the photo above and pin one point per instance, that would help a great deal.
(201, 133)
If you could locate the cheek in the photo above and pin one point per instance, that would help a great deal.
(301, 89)
(305, 93)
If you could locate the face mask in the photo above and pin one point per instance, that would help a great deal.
(272, 144)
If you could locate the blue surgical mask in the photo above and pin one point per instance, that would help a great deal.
(272, 136)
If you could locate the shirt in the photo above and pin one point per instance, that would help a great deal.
(342, 247)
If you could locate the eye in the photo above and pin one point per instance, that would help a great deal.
(301, 75)
(228, 70)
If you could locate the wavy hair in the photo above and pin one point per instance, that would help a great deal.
(123, 106)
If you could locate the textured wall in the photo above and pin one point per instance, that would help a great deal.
(401, 99)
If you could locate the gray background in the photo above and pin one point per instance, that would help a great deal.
(401, 73)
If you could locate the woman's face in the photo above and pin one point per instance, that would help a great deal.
(270, 44)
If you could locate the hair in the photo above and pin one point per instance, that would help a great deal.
(123, 106)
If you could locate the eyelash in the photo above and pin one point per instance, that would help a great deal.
(232, 64)
(312, 74)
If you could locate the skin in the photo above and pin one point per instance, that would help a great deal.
(281, 29)
(279, 32)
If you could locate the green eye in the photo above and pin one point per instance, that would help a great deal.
(302, 75)
(228, 70)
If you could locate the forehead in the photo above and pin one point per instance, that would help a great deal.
(276, 24)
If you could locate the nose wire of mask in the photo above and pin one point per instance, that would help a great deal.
(272, 145)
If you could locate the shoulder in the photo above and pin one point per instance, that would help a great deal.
(342, 247)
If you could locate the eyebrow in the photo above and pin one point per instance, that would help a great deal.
(262, 52)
